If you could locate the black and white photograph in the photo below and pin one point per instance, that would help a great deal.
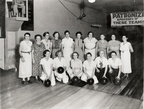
(71, 54)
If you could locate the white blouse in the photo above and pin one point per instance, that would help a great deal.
(90, 44)
(59, 63)
(101, 62)
(114, 64)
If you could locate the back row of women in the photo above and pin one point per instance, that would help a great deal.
(65, 52)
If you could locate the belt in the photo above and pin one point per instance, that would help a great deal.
(26, 52)
(90, 48)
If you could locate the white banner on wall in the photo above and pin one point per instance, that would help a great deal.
(127, 18)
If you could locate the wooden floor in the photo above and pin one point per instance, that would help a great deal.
(36, 96)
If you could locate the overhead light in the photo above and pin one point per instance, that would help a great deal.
(91, 1)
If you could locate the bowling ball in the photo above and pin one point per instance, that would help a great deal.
(75, 79)
(47, 83)
(90, 81)
(117, 81)
(104, 81)
(60, 70)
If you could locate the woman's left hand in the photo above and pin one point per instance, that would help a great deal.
(118, 77)
(104, 76)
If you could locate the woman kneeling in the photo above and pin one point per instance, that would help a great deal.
(47, 68)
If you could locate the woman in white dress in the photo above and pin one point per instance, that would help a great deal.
(46, 41)
(90, 44)
(47, 68)
(59, 61)
(126, 48)
(67, 47)
(25, 65)
(115, 66)
(89, 69)
(75, 66)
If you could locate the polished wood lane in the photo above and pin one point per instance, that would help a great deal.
(36, 96)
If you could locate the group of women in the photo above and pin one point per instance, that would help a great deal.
(88, 58)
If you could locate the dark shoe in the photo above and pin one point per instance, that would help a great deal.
(124, 77)
(39, 78)
(22, 82)
(127, 77)
(29, 82)
(41, 81)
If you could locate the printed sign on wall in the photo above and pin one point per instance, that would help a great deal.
(127, 18)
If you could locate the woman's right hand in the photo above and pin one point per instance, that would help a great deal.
(89, 77)
(98, 70)
(47, 77)
(110, 71)
(33, 61)
(23, 59)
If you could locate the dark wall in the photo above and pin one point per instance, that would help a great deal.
(2, 18)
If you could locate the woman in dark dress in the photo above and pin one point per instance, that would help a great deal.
(56, 43)
(78, 46)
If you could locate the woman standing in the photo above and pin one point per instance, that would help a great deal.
(37, 54)
(126, 48)
(76, 66)
(59, 61)
(89, 69)
(115, 66)
(90, 44)
(47, 68)
(78, 46)
(46, 41)
(67, 47)
(102, 45)
(114, 45)
(56, 43)
(25, 65)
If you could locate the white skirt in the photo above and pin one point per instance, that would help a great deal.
(25, 68)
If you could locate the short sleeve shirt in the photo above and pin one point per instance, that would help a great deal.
(89, 66)
(114, 64)
(59, 63)
(76, 64)
(47, 64)
(90, 44)
(26, 47)
(101, 62)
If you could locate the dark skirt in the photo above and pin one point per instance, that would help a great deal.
(114, 74)
(100, 74)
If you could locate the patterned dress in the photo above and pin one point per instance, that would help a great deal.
(48, 44)
(78, 45)
(56, 45)
(38, 55)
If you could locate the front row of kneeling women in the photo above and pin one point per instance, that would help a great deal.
(96, 69)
